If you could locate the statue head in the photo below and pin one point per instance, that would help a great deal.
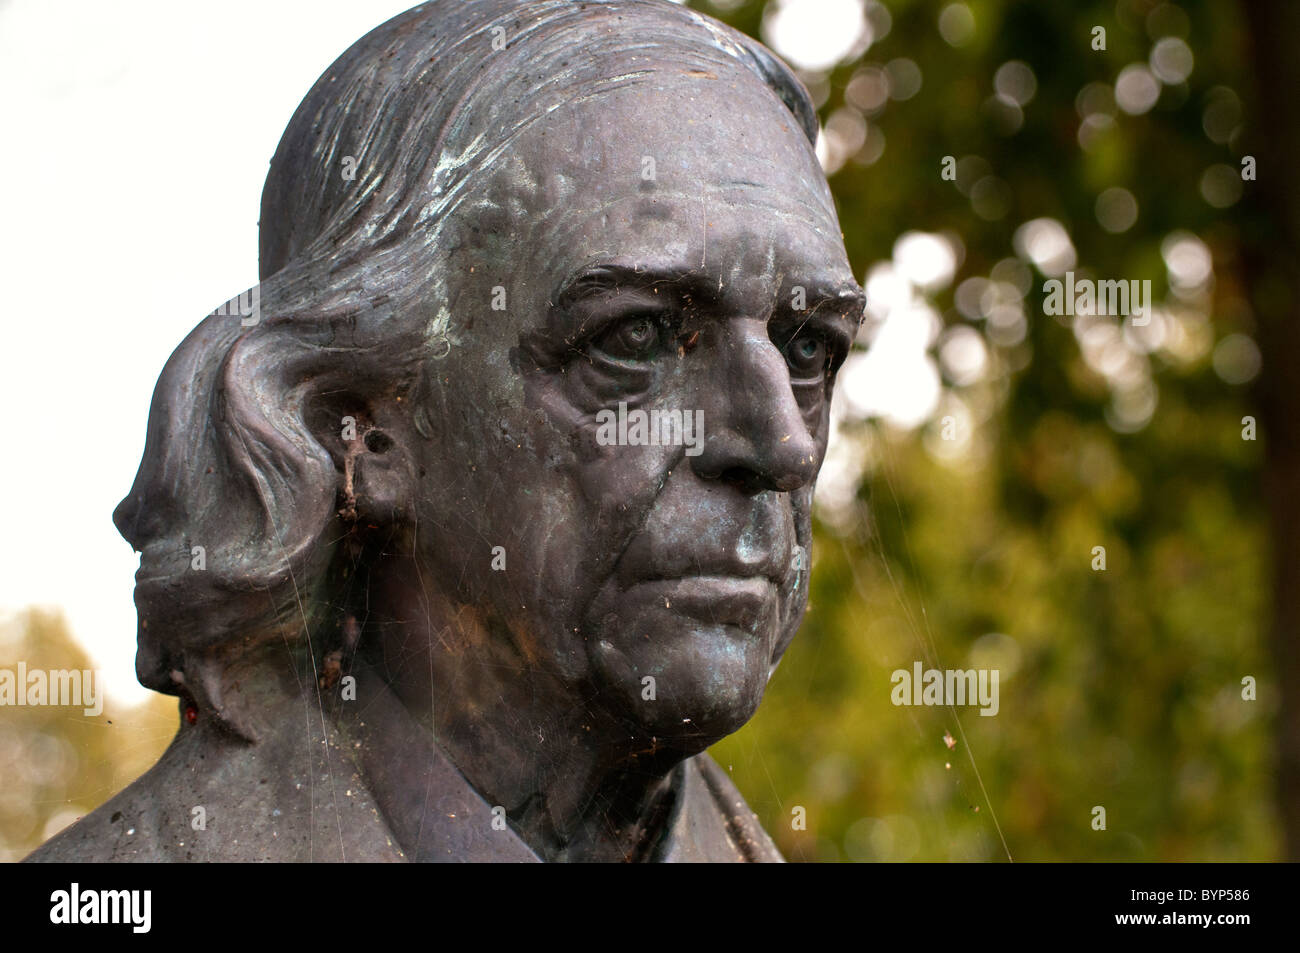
(529, 410)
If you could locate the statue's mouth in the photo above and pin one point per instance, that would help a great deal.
(747, 602)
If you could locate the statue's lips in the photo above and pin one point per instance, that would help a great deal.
(744, 601)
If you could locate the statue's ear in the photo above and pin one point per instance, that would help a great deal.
(373, 443)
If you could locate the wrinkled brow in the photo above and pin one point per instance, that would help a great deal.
(691, 284)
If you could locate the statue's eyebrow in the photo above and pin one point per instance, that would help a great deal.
(683, 282)
(690, 284)
(845, 299)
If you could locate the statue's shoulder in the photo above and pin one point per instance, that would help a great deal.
(103, 836)
(129, 827)
(211, 798)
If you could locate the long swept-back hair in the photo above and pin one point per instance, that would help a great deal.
(352, 270)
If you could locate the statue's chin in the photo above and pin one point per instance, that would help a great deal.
(682, 686)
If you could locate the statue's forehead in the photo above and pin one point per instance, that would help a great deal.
(663, 168)
(668, 128)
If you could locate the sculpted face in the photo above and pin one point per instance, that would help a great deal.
(670, 246)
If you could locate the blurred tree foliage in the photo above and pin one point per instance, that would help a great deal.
(56, 763)
(1120, 688)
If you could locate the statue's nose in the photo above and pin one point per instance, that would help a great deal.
(755, 434)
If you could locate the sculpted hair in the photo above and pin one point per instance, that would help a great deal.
(244, 454)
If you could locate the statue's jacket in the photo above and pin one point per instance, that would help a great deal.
(215, 797)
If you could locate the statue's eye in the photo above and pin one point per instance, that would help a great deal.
(636, 338)
(807, 355)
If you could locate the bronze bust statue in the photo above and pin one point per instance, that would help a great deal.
(491, 513)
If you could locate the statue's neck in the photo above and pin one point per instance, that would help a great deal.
(572, 784)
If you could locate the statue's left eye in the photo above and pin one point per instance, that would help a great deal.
(635, 338)
(807, 355)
